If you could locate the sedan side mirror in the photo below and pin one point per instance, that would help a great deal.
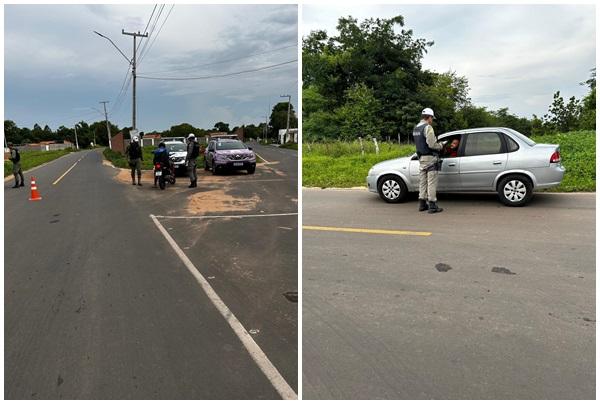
(249, 148)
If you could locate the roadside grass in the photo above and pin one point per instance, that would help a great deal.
(291, 146)
(31, 159)
(578, 154)
(340, 164)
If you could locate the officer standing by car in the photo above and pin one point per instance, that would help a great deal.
(134, 155)
(15, 157)
(193, 150)
(428, 149)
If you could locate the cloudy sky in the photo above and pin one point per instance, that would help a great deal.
(57, 70)
(513, 56)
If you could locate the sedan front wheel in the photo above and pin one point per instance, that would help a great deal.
(392, 189)
(515, 190)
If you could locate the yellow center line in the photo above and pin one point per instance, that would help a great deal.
(66, 172)
(369, 231)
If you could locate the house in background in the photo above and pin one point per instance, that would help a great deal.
(291, 137)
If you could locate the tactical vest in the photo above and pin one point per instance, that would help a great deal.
(420, 141)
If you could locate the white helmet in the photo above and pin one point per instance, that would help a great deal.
(428, 111)
(136, 139)
(191, 136)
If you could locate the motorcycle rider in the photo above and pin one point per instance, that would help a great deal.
(193, 150)
(134, 154)
(161, 155)
(428, 149)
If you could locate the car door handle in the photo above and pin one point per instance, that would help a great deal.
(451, 164)
(496, 163)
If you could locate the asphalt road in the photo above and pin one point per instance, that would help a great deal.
(496, 303)
(99, 306)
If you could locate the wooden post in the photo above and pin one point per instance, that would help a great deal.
(376, 146)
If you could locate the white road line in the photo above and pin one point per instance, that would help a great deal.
(67, 172)
(259, 357)
(263, 159)
(226, 216)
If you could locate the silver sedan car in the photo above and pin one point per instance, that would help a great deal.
(498, 160)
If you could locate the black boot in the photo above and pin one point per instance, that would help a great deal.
(195, 184)
(423, 205)
(191, 185)
(433, 208)
(132, 180)
(22, 185)
(140, 181)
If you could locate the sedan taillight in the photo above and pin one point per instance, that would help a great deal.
(555, 158)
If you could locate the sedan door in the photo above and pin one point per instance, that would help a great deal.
(483, 159)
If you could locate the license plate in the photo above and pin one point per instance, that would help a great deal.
(238, 164)
(158, 173)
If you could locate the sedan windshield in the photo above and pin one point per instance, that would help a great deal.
(233, 145)
(176, 147)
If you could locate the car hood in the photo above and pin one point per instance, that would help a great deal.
(177, 154)
(391, 163)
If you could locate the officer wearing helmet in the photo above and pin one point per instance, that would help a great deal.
(193, 150)
(428, 149)
(134, 155)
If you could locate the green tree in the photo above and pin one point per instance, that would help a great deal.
(221, 127)
(360, 115)
(562, 117)
(12, 132)
(378, 53)
(183, 130)
(588, 112)
(278, 118)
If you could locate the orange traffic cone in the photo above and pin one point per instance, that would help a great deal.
(35, 195)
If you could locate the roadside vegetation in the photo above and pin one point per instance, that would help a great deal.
(290, 145)
(31, 159)
(367, 79)
(342, 164)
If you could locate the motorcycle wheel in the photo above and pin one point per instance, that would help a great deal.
(161, 183)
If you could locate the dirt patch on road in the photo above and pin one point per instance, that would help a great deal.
(124, 176)
(218, 200)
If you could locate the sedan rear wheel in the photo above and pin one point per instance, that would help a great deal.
(392, 189)
(515, 190)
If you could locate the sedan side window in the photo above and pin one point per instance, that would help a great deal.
(483, 143)
(511, 145)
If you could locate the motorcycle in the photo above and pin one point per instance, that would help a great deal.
(164, 174)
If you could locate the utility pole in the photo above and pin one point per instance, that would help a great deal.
(76, 142)
(107, 125)
(133, 66)
(287, 128)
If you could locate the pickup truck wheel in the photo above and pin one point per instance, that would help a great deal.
(515, 190)
(392, 189)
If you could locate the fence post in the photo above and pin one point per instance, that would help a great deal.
(362, 149)
(376, 146)
(398, 137)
